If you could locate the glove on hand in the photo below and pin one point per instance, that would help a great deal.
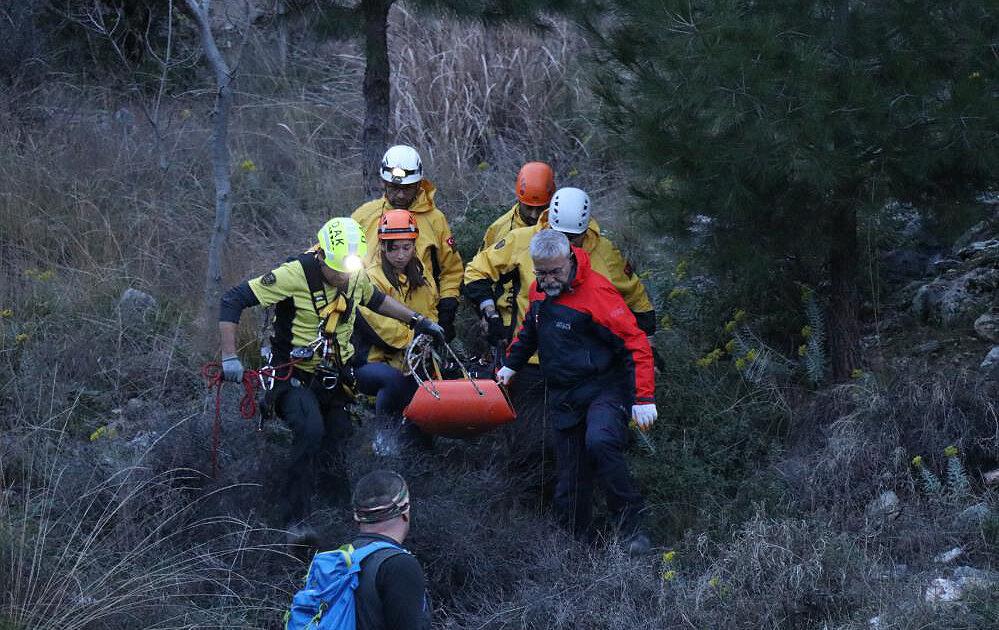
(425, 326)
(644, 415)
(446, 310)
(504, 375)
(232, 369)
(497, 331)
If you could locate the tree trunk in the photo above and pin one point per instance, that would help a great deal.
(844, 305)
(220, 160)
(374, 138)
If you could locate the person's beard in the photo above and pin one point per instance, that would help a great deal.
(553, 288)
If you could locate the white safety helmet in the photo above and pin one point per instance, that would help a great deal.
(569, 211)
(401, 164)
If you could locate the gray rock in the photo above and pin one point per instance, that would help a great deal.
(930, 346)
(135, 306)
(991, 477)
(990, 365)
(943, 591)
(987, 325)
(948, 556)
(973, 249)
(884, 509)
(981, 231)
(976, 577)
(938, 264)
(957, 298)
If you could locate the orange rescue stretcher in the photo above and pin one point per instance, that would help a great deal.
(459, 408)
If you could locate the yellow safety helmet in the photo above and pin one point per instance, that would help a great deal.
(343, 242)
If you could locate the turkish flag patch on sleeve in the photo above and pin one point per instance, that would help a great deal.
(450, 241)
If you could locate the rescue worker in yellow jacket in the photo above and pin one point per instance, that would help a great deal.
(406, 189)
(509, 259)
(535, 187)
(399, 274)
(316, 296)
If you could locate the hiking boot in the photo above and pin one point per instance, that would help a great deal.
(638, 544)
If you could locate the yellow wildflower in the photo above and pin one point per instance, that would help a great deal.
(730, 346)
(917, 461)
(752, 354)
(950, 451)
(806, 331)
(669, 556)
(739, 315)
(573, 173)
(740, 363)
(483, 166)
(713, 582)
(248, 165)
(665, 322)
(669, 575)
(730, 326)
(681, 270)
(802, 350)
(6, 313)
(104, 431)
(21, 338)
(856, 373)
(974, 75)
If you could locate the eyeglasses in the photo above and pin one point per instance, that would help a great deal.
(548, 273)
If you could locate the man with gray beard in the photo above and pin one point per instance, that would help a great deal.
(599, 370)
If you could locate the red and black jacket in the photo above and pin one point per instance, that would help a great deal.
(586, 337)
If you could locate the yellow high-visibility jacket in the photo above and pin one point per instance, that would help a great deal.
(509, 260)
(392, 332)
(435, 245)
(502, 226)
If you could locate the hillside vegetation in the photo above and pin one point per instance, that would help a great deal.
(776, 498)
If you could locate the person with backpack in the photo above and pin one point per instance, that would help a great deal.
(382, 371)
(372, 583)
(407, 189)
(598, 366)
(316, 295)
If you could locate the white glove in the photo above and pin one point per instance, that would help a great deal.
(504, 375)
(232, 369)
(644, 415)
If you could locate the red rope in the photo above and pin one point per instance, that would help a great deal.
(247, 404)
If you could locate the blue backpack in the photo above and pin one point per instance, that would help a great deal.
(327, 601)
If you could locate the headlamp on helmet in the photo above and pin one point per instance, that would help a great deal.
(344, 245)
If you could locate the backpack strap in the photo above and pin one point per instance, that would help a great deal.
(367, 590)
(314, 277)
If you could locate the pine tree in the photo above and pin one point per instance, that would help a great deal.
(773, 124)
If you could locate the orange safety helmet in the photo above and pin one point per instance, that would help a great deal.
(535, 184)
(397, 225)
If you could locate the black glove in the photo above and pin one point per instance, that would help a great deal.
(497, 331)
(646, 322)
(426, 326)
(446, 309)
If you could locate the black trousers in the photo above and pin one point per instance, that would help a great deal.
(590, 444)
(320, 424)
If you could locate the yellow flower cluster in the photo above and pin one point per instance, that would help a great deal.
(40, 275)
(752, 354)
(856, 373)
(104, 431)
(665, 322)
(950, 451)
(739, 315)
(730, 346)
(806, 331)
(248, 166)
(730, 326)
(669, 556)
(669, 575)
(710, 358)
(21, 338)
(917, 461)
(5, 313)
(740, 363)
(681, 270)
(802, 350)
(713, 582)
